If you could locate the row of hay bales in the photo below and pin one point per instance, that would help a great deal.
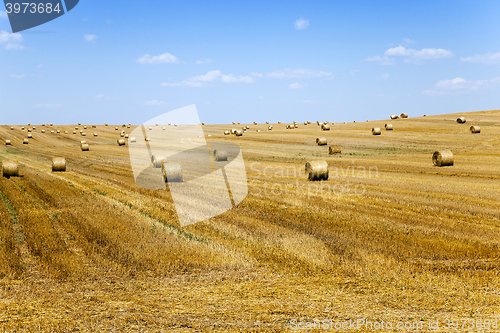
(474, 129)
(11, 168)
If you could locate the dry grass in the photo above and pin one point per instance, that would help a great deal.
(100, 253)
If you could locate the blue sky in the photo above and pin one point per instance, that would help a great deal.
(128, 61)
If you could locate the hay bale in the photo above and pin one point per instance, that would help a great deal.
(234, 123)
(163, 128)
(404, 115)
(51, 124)
(203, 124)
(475, 129)
(120, 142)
(122, 134)
(270, 128)
(81, 131)
(128, 126)
(58, 131)
(8, 143)
(155, 124)
(95, 134)
(175, 125)
(126, 136)
(25, 141)
(30, 136)
(43, 124)
(321, 141)
(10, 169)
(320, 124)
(85, 147)
(84, 134)
(325, 127)
(147, 139)
(335, 149)
(220, 155)
(393, 116)
(461, 120)
(79, 124)
(317, 170)
(150, 128)
(52, 132)
(227, 132)
(22, 128)
(442, 158)
(233, 130)
(58, 164)
(388, 127)
(29, 124)
(296, 125)
(29, 130)
(84, 127)
(106, 124)
(43, 131)
(82, 142)
(158, 161)
(12, 128)
(94, 126)
(255, 123)
(132, 139)
(172, 172)
(258, 130)
(74, 132)
(305, 122)
(34, 128)
(66, 132)
(279, 122)
(267, 123)
(376, 131)
(238, 133)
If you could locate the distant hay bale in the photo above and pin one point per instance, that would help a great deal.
(43, 124)
(43, 131)
(475, 129)
(10, 169)
(74, 132)
(58, 164)
(52, 131)
(279, 122)
(317, 170)
(51, 124)
(258, 130)
(29, 124)
(393, 116)
(95, 134)
(175, 125)
(404, 115)
(132, 139)
(150, 128)
(388, 127)
(238, 133)
(120, 142)
(461, 120)
(202, 123)
(155, 124)
(308, 122)
(116, 128)
(128, 126)
(12, 128)
(84, 127)
(29, 130)
(442, 158)
(22, 128)
(172, 172)
(321, 141)
(158, 160)
(126, 136)
(320, 123)
(270, 128)
(122, 134)
(169, 124)
(34, 128)
(305, 122)
(234, 123)
(233, 130)
(8, 143)
(85, 147)
(335, 149)
(58, 131)
(79, 124)
(94, 126)
(425, 115)
(82, 142)
(354, 121)
(325, 127)
(84, 134)
(267, 123)
(247, 127)
(227, 132)
(147, 139)
(220, 155)
(76, 127)
(106, 124)
(30, 136)
(296, 125)
(25, 141)
(66, 132)
(376, 131)
(255, 123)
(163, 128)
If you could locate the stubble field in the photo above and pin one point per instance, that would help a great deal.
(389, 237)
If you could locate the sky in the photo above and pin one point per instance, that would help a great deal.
(129, 61)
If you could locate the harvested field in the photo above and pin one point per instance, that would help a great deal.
(388, 236)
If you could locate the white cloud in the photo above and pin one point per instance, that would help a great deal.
(12, 40)
(155, 102)
(3, 14)
(418, 56)
(292, 73)
(301, 24)
(409, 41)
(90, 38)
(460, 85)
(385, 76)
(202, 62)
(46, 106)
(100, 96)
(198, 81)
(487, 58)
(297, 85)
(165, 58)
(17, 76)
(383, 60)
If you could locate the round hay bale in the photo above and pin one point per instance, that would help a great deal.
(82, 142)
(172, 172)
(43, 124)
(10, 169)
(22, 128)
(376, 131)
(79, 124)
(94, 126)
(51, 124)
(116, 128)
(29, 130)
(163, 128)
(175, 125)
(29, 124)
(147, 139)
(128, 126)
(238, 133)
(30, 136)
(120, 142)
(220, 155)
(126, 136)
(43, 131)
(388, 127)
(52, 132)
(84, 127)
(325, 127)
(320, 124)
(58, 131)
(255, 123)
(132, 139)
(461, 120)
(234, 123)
(34, 128)
(74, 132)
(155, 124)
(12, 128)
(442, 158)
(317, 170)
(321, 141)
(279, 122)
(81, 131)
(335, 149)
(85, 147)
(106, 124)
(202, 123)
(296, 126)
(122, 134)
(233, 130)
(270, 128)
(475, 129)
(8, 143)
(150, 128)
(58, 164)
(404, 115)
(354, 121)
(158, 161)
(95, 134)
(393, 116)
(66, 132)
(267, 123)
(25, 141)
(227, 132)
(84, 134)
(425, 115)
